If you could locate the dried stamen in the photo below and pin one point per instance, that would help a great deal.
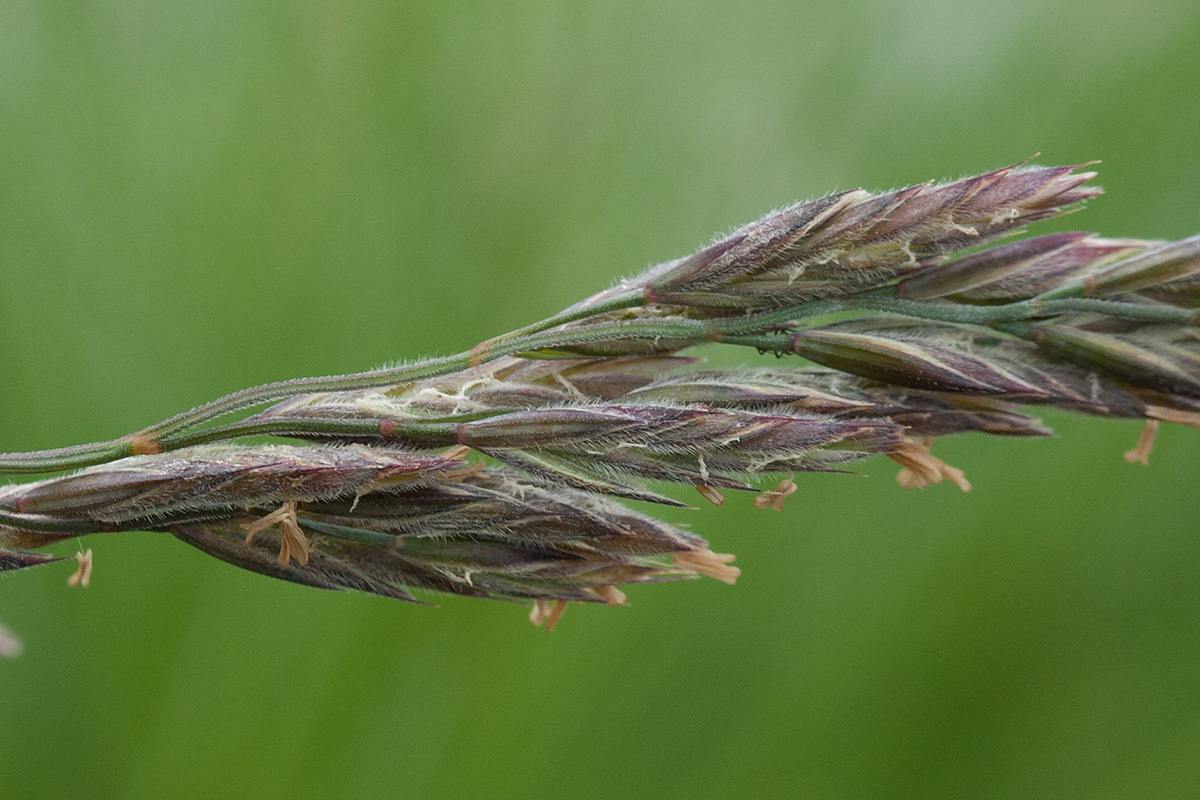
(711, 494)
(956, 476)
(1145, 443)
(775, 499)
(909, 479)
(539, 612)
(10, 646)
(611, 595)
(555, 612)
(706, 562)
(921, 468)
(549, 612)
(292, 541)
(83, 575)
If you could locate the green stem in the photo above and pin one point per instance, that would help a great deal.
(1026, 309)
(346, 533)
(620, 302)
(779, 343)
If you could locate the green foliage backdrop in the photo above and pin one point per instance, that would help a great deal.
(201, 195)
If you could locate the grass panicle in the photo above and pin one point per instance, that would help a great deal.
(492, 473)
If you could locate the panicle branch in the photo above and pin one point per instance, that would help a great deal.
(375, 519)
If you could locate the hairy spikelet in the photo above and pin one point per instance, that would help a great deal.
(856, 240)
(371, 519)
(696, 444)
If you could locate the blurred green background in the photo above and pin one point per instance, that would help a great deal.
(197, 196)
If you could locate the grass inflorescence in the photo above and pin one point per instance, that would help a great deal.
(494, 473)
